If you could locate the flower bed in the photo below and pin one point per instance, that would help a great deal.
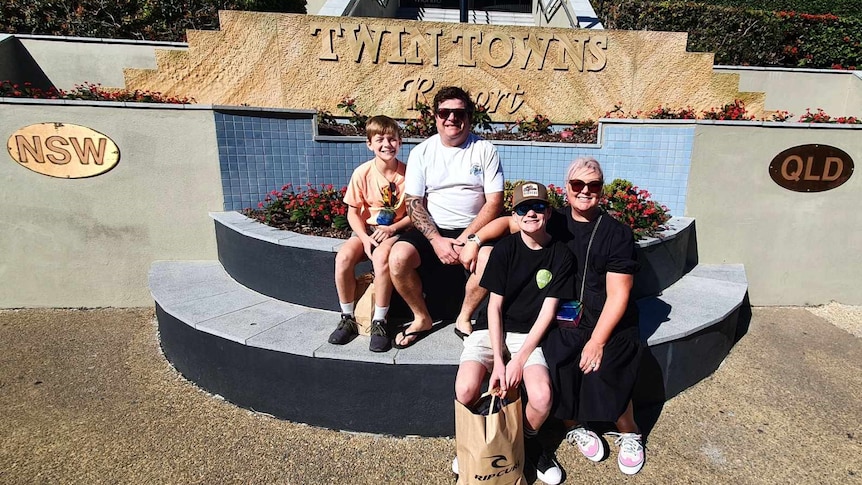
(322, 211)
(87, 91)
(541, 129)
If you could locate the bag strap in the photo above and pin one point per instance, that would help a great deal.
(493, 397)
(587, 258)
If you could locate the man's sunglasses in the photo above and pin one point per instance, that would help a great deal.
(537, 207)
(460, 113)
(578, 185)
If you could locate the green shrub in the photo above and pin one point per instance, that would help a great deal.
(836, 7)
(89, 92)
(630, 205)
(748, 37)
(163, 20)
(308, 207)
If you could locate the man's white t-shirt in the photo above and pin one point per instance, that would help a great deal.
(454, 179)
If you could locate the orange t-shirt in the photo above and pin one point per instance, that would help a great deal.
(367, 189)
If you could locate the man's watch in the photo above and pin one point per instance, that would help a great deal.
(475, 239)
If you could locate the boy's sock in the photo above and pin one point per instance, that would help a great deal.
(347, 308)
(529, 432)
(380, 312)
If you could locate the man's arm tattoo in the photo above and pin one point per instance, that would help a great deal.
(421, 218)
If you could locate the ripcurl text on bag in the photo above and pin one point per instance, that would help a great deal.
(490, 446)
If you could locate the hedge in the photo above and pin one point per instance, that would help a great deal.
(748, 37)
(835, 7)
(165, 20)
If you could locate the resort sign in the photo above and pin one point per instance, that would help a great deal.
(63, 150)
(389, 66)
(811, 168)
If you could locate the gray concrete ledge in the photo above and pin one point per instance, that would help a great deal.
(202, 295)
(705, 296)
(675, 226)
(107, 104)
(100, 40)
(254, 229)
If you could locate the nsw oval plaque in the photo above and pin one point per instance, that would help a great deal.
(63, 150)
(811, 168)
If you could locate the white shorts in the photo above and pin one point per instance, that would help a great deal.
(477, 348)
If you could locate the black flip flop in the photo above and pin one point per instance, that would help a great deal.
(419, 334)
(461, 335)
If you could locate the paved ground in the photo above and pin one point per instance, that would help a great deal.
(86, 397)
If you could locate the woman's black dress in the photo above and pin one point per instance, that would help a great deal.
(602, 395)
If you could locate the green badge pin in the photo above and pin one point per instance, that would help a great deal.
(543, 277)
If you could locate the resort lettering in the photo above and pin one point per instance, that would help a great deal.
(496, 49)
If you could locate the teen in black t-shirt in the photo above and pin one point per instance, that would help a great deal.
(527, 274)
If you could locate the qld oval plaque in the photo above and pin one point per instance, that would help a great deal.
(63, 150)
(811, 168)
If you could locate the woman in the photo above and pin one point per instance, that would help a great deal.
(594, 361)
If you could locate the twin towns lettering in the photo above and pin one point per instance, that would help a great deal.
(496, 49)
(365, 43)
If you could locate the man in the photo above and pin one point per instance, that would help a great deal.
(454, 186)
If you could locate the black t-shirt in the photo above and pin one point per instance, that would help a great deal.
(613, 251)
(525, 277)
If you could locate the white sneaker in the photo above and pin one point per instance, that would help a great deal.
(631, 458)
(455, 465)
(548, 469)
(588, 442)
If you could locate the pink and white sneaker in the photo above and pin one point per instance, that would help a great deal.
(588, 442)
(631, 457)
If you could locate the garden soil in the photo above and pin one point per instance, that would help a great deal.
(87, 397)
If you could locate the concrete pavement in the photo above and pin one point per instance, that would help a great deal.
(86, 397)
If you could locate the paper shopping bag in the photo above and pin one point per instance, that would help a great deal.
(490, 446)
(363, 309)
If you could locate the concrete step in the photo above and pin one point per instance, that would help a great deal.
(256, 350)
(689, 329)
(700, 299)
(203, 296)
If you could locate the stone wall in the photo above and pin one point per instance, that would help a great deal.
(798, 248)
(838, 93)
(89, 242)
(388, 65)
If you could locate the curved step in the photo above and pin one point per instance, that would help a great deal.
(273, 356)
(689, 329)
(265, 259)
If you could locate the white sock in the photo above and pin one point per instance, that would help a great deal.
(347, 308)
(380, 312)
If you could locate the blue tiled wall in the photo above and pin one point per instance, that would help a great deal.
(258, 154)
(653, 158)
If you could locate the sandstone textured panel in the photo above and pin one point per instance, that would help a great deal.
(387, 65)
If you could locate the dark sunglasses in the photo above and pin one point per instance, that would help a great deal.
(578, 185)
(460, 113)
(536, 207)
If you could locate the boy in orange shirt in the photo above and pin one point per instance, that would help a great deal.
(376, 213)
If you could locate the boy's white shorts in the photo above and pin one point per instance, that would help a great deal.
(477, 348)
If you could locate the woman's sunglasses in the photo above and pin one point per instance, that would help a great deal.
(578, 185)
(537, 207)
(460, 113)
